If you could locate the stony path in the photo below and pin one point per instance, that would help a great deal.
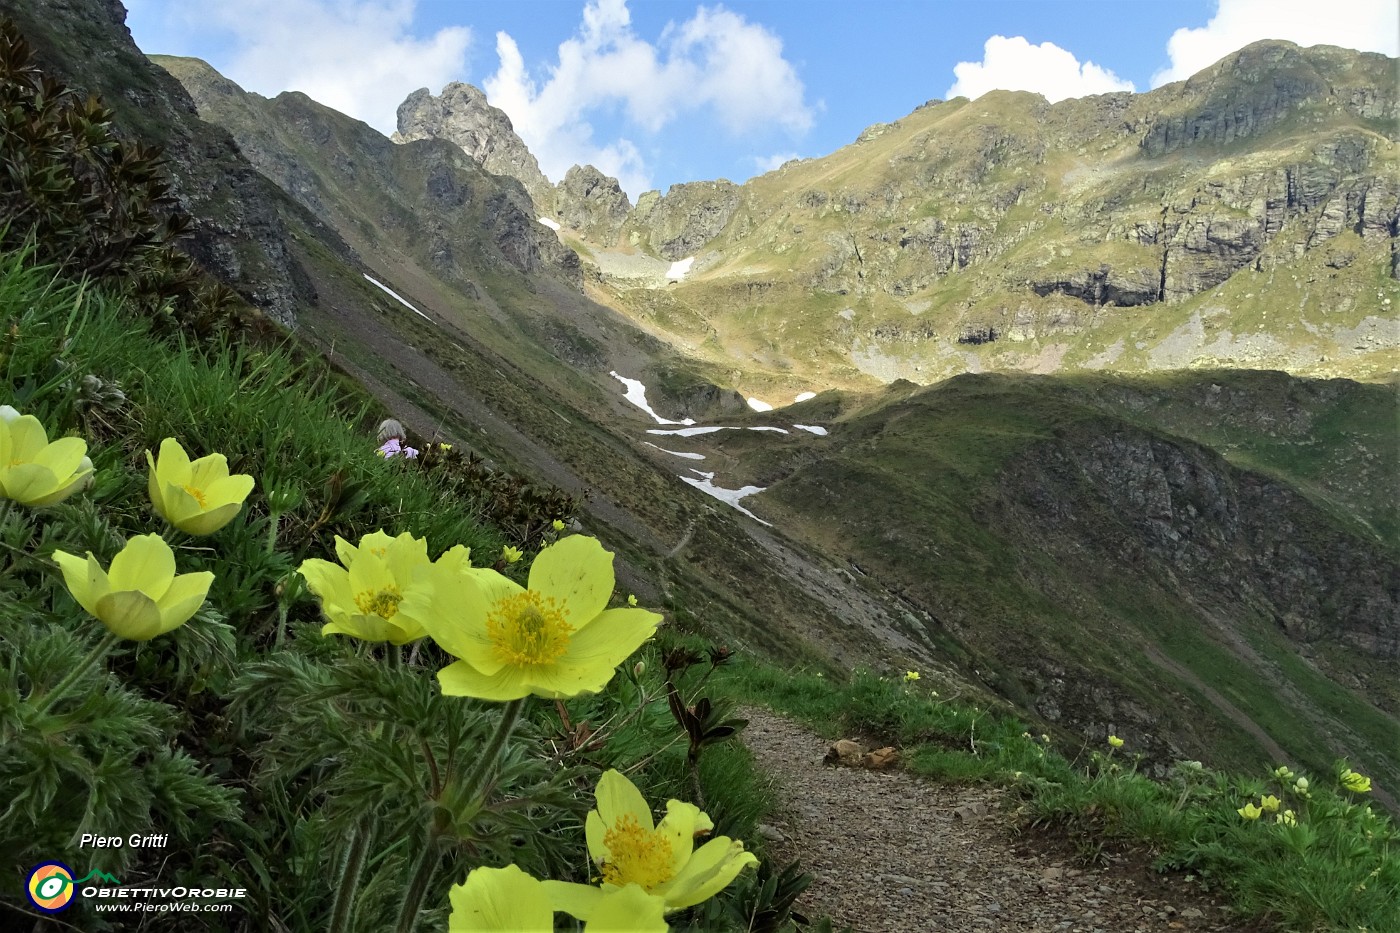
(892, 853)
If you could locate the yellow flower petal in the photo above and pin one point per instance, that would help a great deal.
(186, 594)
(346, 552)
(618, 797)
(710, 870)
(131, 614)
(578, 574)
(576, 900)
(680, 825)
(594, 653)
(463, 680)
(405, 557)
(627, 910)
(85, 579)
(26, 437)
(206, 471)
(500, 900)
(452, 609)
(172, 466)
(146, 564)
(62, 457)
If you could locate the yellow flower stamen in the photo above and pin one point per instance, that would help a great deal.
(384, 603)
(638, 855)
(528, 629)
(198, 495)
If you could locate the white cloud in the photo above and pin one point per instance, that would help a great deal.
(716, 62)
(1368, 25)
(774, 161)
(1013, 64)
(356, 56)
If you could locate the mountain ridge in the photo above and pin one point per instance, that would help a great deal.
(1050, 229)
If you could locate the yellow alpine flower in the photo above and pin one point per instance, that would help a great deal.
(141, 596)
(1269, 804)
(500, 900)
(1249, 811)
(1287, 818)
(507, 900)
(1283, 773)
(511, 555)
(361, 596)
(632, 599)
(34, 472)
(196, 496)
(911, 676)
(661, 859)
(1356, 783)
(554, 639)
(557, 525)
(1115, 742)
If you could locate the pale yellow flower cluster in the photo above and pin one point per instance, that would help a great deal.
(140, 595)
(553, 638)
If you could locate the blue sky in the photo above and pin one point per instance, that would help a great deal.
(657, 92)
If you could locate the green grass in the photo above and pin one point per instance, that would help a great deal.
(259, 746)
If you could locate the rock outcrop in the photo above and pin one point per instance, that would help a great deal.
(241, 223)
(426, 195)
(686, 218)
(462, 116)
(591, 204)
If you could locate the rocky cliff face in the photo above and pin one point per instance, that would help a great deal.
(241, 222)
(591, 204)
(462, 116)
(586, 202)
(687, 217)
(426, 197)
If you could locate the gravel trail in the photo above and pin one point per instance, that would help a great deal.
(893, 853)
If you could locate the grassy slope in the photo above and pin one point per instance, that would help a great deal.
(932, 522)
(1051, 191)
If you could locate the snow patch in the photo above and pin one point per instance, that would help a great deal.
(551, 224)
(676, 453)
(758, 404)
(688, 432)
(813, 428)
(730, 496)
(765, 428)
(637, 395)
(397, 297)
(679, 269)
(804, 396)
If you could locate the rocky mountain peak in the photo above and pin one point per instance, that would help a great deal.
(592, 203)
(462, 115)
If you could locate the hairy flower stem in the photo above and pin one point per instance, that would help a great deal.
(350, 876)
(418, 884)
(482, 772)
(428, 861)
(104, 646)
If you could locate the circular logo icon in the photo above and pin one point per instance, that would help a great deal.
(50, 887)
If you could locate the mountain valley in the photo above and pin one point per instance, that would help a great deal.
(1105, 388)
